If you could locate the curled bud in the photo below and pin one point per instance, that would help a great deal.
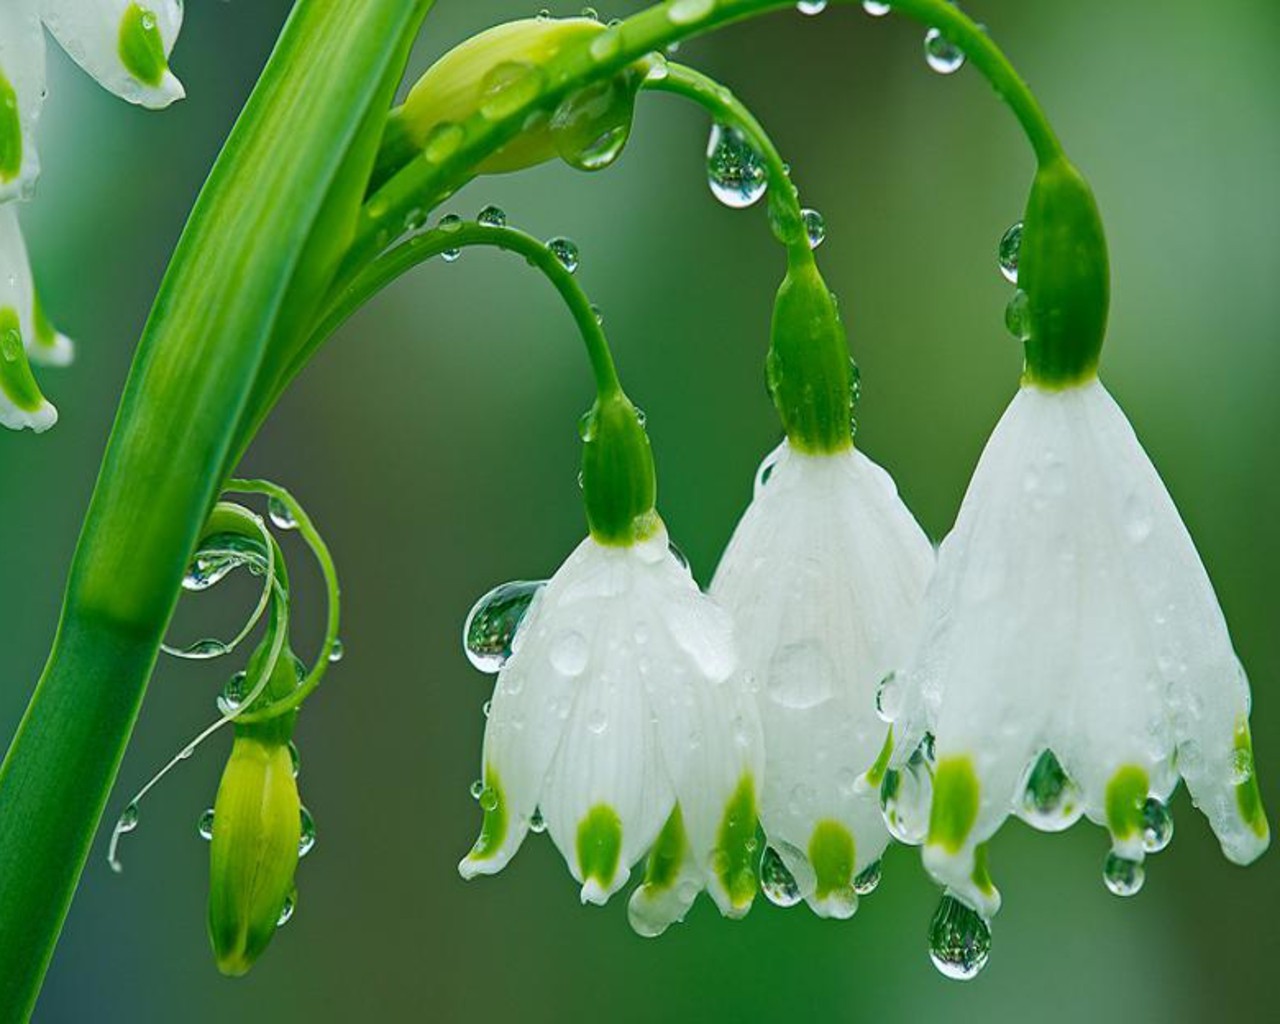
(809, 373)
(256, 830)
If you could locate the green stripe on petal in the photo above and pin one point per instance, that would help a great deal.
(16, 379)
(599, 844)
(875, 774)
(981, 873)
(955, 803)
(10, 132)
(1126, 798)
(734, 857)
(1248, 798)
(494, 828)
(668, 853)
(140, 45)
(831, 852)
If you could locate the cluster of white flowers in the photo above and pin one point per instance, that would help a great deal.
(125, 46)
(1063, 654)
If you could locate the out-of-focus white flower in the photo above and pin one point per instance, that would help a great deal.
(1074, 657)
(123, 44)
(825, 578)
(21, 403)
(43, 343)
(618, 724)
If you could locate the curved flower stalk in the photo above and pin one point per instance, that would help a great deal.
(825, 578)
(123, 44)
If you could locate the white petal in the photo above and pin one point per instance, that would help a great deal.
(116, 41)
(825, 577)
(21, 97)
(21, 404)
(672, 882)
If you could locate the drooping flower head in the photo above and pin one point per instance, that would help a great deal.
(24, 334)
(825, 577)
(617, 722)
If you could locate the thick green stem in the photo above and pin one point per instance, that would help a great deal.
(249, 255)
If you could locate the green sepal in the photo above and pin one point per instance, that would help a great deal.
(619, 484)
(809, 373)
(16, 379)
(1064, 270)
(10, 132)
(141, 47)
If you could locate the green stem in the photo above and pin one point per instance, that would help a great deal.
(726, 108)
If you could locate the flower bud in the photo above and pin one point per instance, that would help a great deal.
(619, 485)
(809, 372)
(256, 830)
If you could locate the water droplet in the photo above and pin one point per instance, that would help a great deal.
(286, 912)
(875, 8)
(959, 940)
(128, 819)
(338, 651)
(678, 555)
(776, 882)
(565, 251)
(591, 13)
(442, 142)
(544, 15)
(415, 220)
(477, 788)
(905, 796)
(219, 556)
(295, 758)
(1157, 825)
(598, 722)
(281, 515)
(686, 12)
(233, 693)
(811, 6)
(591, 126)
(537, 824)
(735, 171)
(1050, 800)
(1123, 876)
(569, 653)
(307, 837)
(606, 45)
(765, 471)
(488, 798)
(492, 217)
(205, 826)
(1008, 252)
(508, 87)
(1137, 520)
(1017, 316)
(941, 54)
(488, 637)
(867, 879)
(889, 696)
(815, 228)
(658, 69)
(486, 708)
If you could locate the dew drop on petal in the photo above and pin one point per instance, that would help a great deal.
(307, 837)
(905, 797)
(565, 251)
(735, 171)
(1007, 255)
(889, 695)
(1050, 800)
(488, 798)
(941, 54)
(569, 652)
(959, 940)
(776, 882)
(1157, 825)
(489, 634)
(864, 884)
(1123, 876)
(766, 469)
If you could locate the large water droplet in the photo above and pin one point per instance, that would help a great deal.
(508, 87)
(941, 54)
(864, 884)
(492, 217)
(565, 251)
(280, 513)
(801, 675)
(1017, 315)
(1009, 251)
(815, 228)
(735, 171)
(591, 126)
(1123, 876)
(959, 940)
(307, 837)
(1157, 825)
(776, 882)
(569, 653)
(1050, 801)
(234, 691)
(489, 634)
(205, 826)
(905, 796)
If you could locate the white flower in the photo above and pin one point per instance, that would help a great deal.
(1074, 657)
(617, 721)
(124, 44)
(825, 578)
(21, 327)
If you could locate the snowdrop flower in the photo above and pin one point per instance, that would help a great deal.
(1074, 658)
(617, 722)
(23, 331)
(825, 579)
(125, 45)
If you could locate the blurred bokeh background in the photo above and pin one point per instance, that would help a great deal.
(434, 442)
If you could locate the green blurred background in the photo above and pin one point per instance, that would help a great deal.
(435, 443)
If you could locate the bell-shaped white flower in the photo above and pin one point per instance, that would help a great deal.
(618, 722)
(124, 44)
(21, 403)
(825, 578)
(1074, 657)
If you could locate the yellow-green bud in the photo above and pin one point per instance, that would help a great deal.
(256, 830)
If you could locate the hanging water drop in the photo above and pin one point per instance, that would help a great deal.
(1157, 825)
(128, 819)
(307, 836)
(233, 693)
(1050, 800)
(591, 13)
(205, 825)
(286, 912)
(295, 759)
(489, 635)
(537, 824)
(735, 171)
(811, 6)
(1017, 316)
(477, 788)
(1008, 252)
(565, 252)
(905, 796)
(776, 882)
(337, 651)
(864, 884)
(959, 940)
(875, 8)
(201, 650)
(280, 513)
(815, 228)
(1124, 877)
(492, 217)
(941, 54)
(889, 696)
